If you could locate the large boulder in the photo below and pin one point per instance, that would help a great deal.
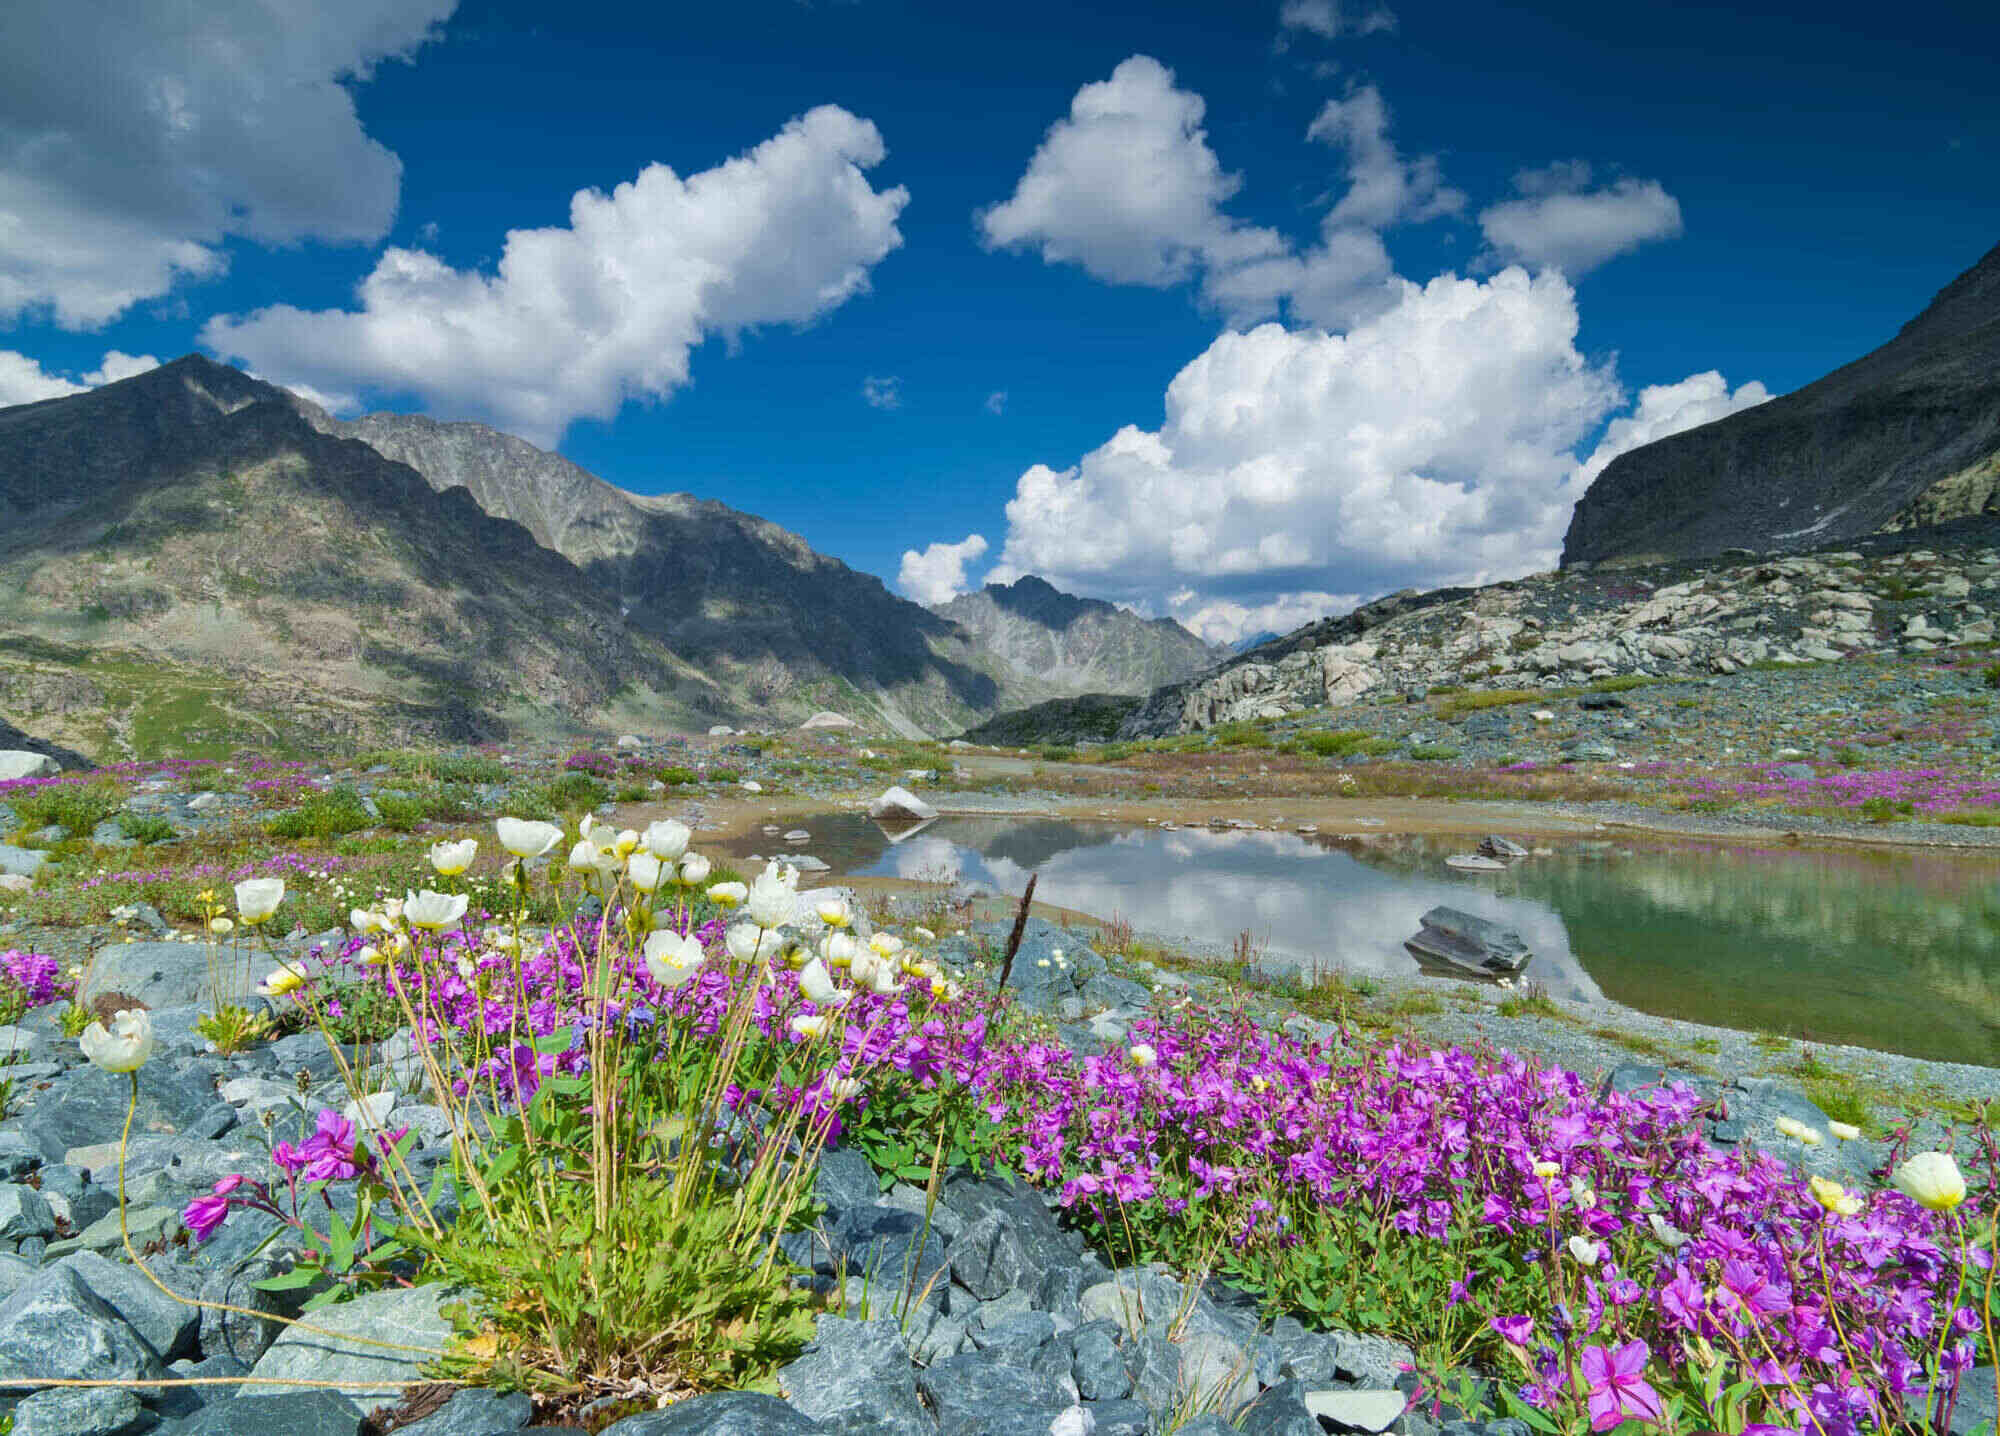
(18, 763)
(827, 719)
(406, 1316)
(899, 805)
(1459, 940)
(856, 1376)
(55, 1327)
(176, 974)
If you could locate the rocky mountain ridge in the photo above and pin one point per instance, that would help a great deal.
(1905, 436)
(1901, 593)
(1084, 645)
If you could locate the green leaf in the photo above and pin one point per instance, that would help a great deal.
(341, 1240)
(291, 1280)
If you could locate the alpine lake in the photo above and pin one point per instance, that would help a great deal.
(1896, 950)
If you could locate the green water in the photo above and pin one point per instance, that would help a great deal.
(1898, 951)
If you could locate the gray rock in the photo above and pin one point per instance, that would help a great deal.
(1015, 1339)
(18, 1155)
(24, 1212)
(174, 974)
(1216, 1373)
(1357, 1411)
(475, 1412)
(81, 1411)
(1281, 1411)
(14, 1271)
(407, 1316)
(56, 1326)
(1101, 1364)
(1495, 846)
(1210, 1425)
(724, 1413)
(856, 1376)
(1462, 941)
(18, 763)
(1120, 1418)
(21, 862)
(294, 1413)
(169, 1326)
(987, 1258)
(1976, 1403)
(1370, 1360)
(963, 1391)
(239, 1334)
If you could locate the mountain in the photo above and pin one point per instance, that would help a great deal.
(1907, 435)
(1072, 645)
(788, 629)
(1254, 640)
(183, 556)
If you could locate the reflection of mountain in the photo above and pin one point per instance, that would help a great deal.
(1028, 843)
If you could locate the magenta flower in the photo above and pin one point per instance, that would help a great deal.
(1618, 1389)
(203, 1215)
(1514, 1330)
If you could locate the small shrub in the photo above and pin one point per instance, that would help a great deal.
(1335, 744)
(401, 812)
(1991, 673)
(146, 828)
(331, 814)
(1433, 753)
(630, 793)
(675, 777)
(76, 806)
(1054, 753)
(723, 775)
(1240, 735)
(1530, 1001)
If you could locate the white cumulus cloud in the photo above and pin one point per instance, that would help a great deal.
(1559, 221)
(1432, 444)
(1665, 409)
(577, 320)
(24, 381)
(880, 392)
(1128, 188)
(937, 575)
(136, 138)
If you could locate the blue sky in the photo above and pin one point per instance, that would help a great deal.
(1680, 189)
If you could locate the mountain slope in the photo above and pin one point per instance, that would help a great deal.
(753, 604)
(184, 539)
(1907, 434)
(1080, 645)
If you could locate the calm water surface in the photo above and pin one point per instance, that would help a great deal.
(1898, 951)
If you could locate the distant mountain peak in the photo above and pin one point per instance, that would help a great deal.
(1082, 644)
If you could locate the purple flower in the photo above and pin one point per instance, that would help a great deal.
(1617, 1382)
(1514, 1330)
(203, 1215)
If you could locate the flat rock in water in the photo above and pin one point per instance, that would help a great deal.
(1461, 941)
(1473, 863)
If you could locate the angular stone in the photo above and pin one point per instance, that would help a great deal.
(1120, 1418)
(475, 1412)
(1281, 1411)
(988, 1258)
(1015, 1339)
(18, 763)
(24, 1212)
(56, 1326)
(294, 1413)
(81, 1411)
(168, 1326)
(1100, 1363)
(963, 1390)
(18, 1155)
(1364, 1412)
(900, 805)
(856, 1376)
(724, 1413)
(1370, 1360)
(407, 1316)
(1216, 1373)
(21, 862)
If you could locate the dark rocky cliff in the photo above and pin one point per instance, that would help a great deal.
(1906, 435)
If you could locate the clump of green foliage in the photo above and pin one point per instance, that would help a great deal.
(331, 814)
(76, 806)
(146, 828)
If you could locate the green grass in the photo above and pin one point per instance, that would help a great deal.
(331, 814)
(1433, 753)
(1479, 699)
(1530, 1002)
(76, 806)
(146, 828)
(1334, 743)
(1240, 735)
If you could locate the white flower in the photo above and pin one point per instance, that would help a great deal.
(1671, 1236)
(363, 921)
(125, 1047)
(840, 950)
(1546, 1169)
(368, 956)
(834, 912)
(466, 967)
(221, 926)
(673, 958)
(886, 943)
(433, 910)
(599, 863)
(283, 978)
(923, 934)
(451, 859)
(773, 896)
(1581, 1194)
(814, 1026)
(874, 972)
(842, 1089)
(749, 943)
(727, 895)
(627, 843)
(1799, 1131)
(817, 984)
(1143, 1055)
(667, 840)
(258, 898)
(694, 870)
(644, 871)
(526, 839)
(1846, 1131)
(1585, 1250)
(1931, 1179)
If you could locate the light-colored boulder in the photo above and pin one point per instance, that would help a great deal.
(19, 763)
(408, 1316)
(901, 805)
